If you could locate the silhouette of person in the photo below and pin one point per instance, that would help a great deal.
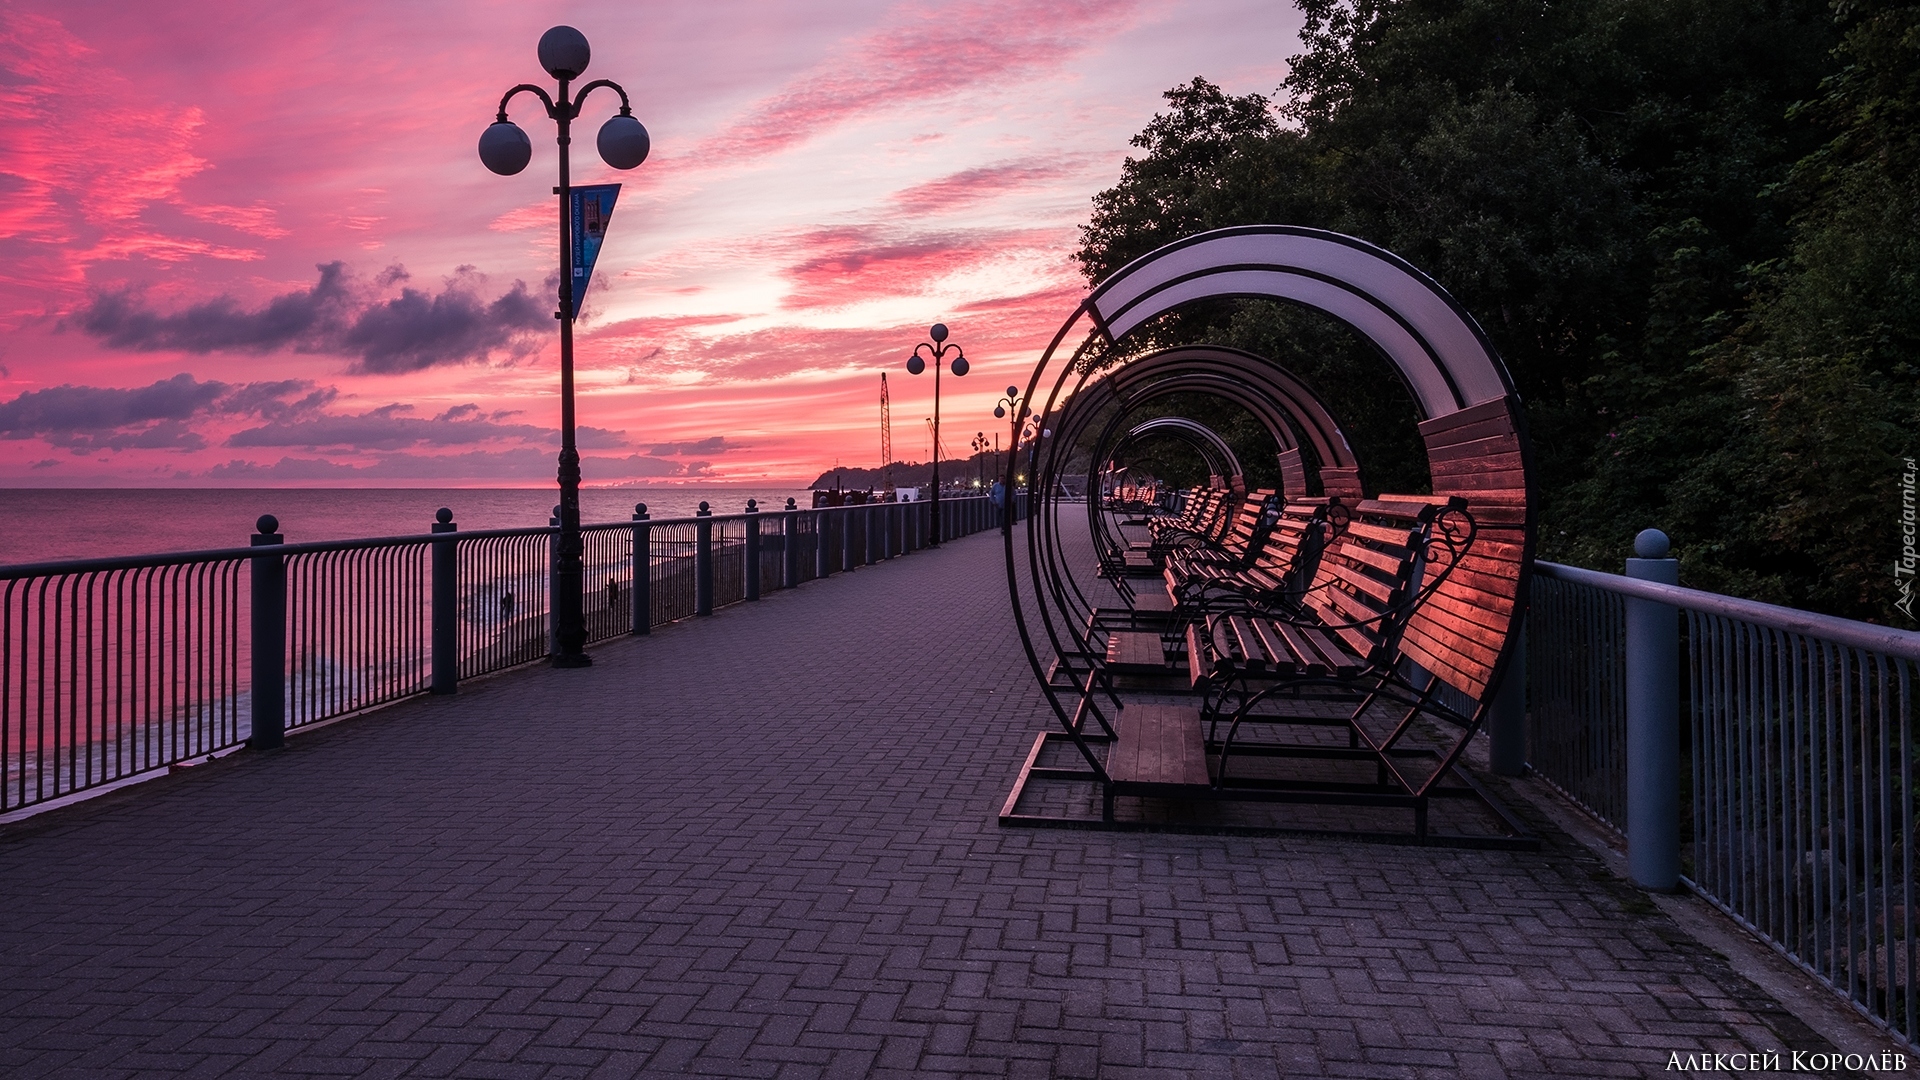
(613, 592)
(506, 605)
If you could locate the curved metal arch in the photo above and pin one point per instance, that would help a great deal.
(1196, 433)
(1311, 419)
(1277, 399)
(1436, 347)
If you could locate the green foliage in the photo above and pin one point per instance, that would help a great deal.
(1690, 227)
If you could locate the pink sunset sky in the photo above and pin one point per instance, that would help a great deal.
(246, 243)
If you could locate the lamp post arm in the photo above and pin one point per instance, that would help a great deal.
(528, 88)
(626, 107)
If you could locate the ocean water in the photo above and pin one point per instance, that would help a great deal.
(42, 525)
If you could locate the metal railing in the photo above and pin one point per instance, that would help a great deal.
(1798, 747)
(115, 668)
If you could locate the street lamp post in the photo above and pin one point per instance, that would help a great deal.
(505, 149)
(1009, 405)
(937, 350)
(979, 458)
(1024, 425)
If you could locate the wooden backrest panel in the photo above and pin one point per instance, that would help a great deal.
(1200, 506)
(1293, 473)
(1462, 631)
(1299, 530)
(1341, 483)
(1367, 570)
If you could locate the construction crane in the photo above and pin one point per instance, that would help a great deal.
(886, 438)
(933, 434)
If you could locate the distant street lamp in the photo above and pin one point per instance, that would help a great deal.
(980, 445)
(1024, 425)
(937, 350)
(505, 149)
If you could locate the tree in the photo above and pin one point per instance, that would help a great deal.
(1703, 287)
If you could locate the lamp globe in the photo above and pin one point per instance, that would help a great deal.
(564, 52)
(504, 148)
(623, 141)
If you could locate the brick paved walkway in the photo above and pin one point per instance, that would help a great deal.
(763, 844)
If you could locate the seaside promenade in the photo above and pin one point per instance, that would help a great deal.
(764, 844)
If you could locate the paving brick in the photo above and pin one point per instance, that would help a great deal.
(763, 844)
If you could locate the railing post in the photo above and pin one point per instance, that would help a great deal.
(1507, 720)
(553, 582)
(753, 550)
(446, 605)
(1653, 721)
(703, 561)
(866, 536)
(269, 646)
(846, 539)
(640, 596)
(790, 537)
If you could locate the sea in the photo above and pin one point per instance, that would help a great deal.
(45, 524)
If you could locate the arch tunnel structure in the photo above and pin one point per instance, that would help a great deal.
(1089, 389)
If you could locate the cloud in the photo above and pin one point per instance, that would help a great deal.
(593, 438)
(518, 464)
(716, 444)
(259, 219)
(923, 55)
(385, 429)
(849, 264)
(972, 186)
(338, 315)
(415, 331)
(88, 418)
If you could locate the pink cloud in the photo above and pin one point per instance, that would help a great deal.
(83, 158)
(849, 264)
(926, 53)
(974, 186)
(259, 219)
(195, 164)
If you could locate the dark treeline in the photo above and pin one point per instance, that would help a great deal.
(914, 474)
(1692, 227)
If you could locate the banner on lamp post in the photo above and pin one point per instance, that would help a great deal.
(592, 208)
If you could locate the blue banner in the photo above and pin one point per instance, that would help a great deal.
(592, 209)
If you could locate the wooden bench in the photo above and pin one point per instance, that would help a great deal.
(1350, 620)
(1286, 562)
(1203, 517)
(1243, 541)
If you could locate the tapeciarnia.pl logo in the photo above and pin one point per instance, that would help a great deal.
(1904, 566)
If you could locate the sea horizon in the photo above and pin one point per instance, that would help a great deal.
(48, 524)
